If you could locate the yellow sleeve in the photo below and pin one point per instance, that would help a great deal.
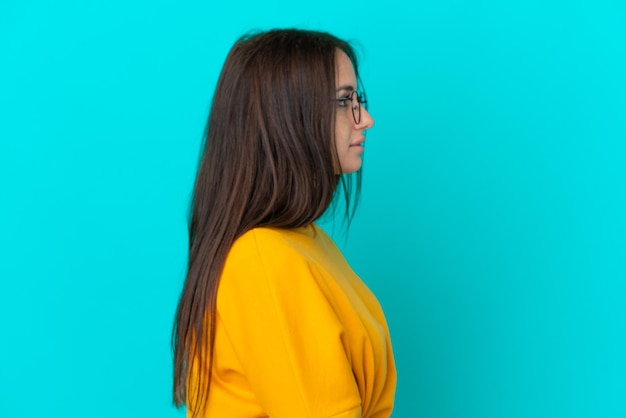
(288, 339)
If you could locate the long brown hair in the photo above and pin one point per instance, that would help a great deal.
(269, 159)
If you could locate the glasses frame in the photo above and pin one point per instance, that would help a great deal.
(361, 100)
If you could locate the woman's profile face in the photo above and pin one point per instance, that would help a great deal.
(349, 135)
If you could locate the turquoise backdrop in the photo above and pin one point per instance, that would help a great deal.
(492, 225)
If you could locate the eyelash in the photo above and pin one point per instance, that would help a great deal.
(343, 102)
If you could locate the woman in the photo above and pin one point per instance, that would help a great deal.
(272, 321)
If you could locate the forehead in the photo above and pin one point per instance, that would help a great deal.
(344, 72)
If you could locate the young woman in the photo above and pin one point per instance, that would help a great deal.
(272, 321)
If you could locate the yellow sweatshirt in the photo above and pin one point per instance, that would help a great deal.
(298, 334)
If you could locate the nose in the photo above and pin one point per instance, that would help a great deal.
(367, 121)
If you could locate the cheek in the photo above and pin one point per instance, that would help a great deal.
(342, 136)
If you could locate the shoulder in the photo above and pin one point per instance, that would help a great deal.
(278, 244)
(277, 266)
(288, 259)
(266, 251)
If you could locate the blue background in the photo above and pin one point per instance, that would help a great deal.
(492, 226)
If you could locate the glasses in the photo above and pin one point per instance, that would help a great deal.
(356, 100)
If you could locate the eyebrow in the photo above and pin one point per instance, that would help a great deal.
(346, 87)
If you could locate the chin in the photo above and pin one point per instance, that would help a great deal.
(351, 167)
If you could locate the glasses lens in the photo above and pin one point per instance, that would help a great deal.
(356, 107)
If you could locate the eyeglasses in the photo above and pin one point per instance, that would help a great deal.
(356, 100)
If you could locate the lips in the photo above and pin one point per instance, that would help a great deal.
(359, 143)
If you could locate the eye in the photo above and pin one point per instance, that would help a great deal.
(343, 102)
